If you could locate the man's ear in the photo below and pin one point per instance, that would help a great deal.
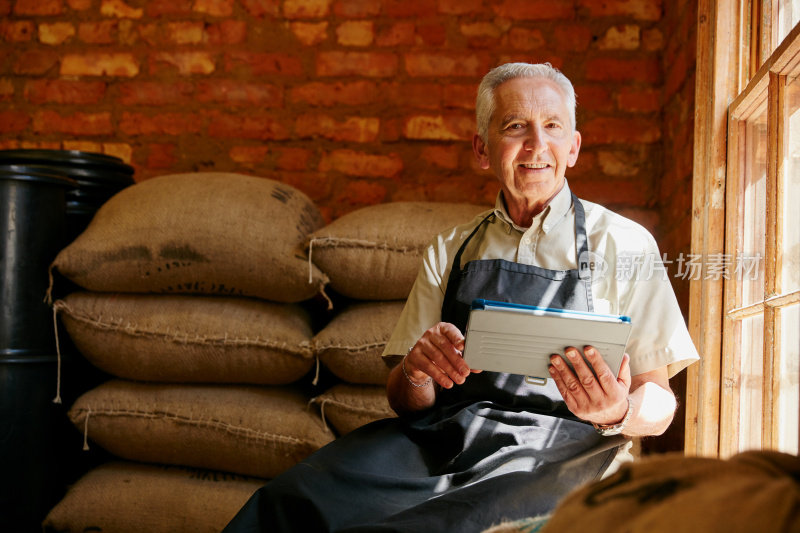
(481, 151)
(574, 149)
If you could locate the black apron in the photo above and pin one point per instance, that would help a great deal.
(496, 448)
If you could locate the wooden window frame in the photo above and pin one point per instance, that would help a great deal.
(726, 62)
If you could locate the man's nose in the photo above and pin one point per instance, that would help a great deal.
(534, 142)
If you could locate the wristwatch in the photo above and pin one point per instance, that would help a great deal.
(608, 430)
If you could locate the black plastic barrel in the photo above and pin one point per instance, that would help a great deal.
(98, 177)
(32, 226)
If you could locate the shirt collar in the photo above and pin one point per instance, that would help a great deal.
(550, 216)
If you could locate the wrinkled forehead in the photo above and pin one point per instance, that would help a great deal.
(520, 97)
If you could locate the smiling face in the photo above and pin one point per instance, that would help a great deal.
(529, 145)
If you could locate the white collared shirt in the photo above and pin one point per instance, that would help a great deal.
(629, 278)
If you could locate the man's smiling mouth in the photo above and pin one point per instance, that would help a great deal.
(534, 165)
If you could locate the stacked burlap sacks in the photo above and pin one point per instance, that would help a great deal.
(372, 257)
(192, 288)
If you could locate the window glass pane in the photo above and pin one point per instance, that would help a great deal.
(790, 269)
(754, 203)
(751, 379)
(788, 16)
(789, 390)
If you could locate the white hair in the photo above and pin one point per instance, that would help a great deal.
(485, 104)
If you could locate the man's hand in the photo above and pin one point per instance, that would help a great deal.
(438, 354)
(602, 399)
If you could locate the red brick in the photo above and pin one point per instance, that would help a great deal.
(370, 64)
(159, 124)
(572, 37)
(440, 127)
(652, 40)
(397, 34)
(310, 33)
(535, 9)
(608, 130)
(159, 8)
(409, 8)
(611, 193)
(38, 7)
(153, 93)
(412, 95)
(17, 31)
(460, 96)
(56, 33)
(611, 69)
(59, 91)
(351, 129)
(13, 121)
(355, 33)
(638, 9)
(361, 164)
(641, 100)
(333, 94)
(306, 9)
(215, 8)
(446, 64)
(525, 39)
(356, 9)
(186, 32)
(678, 71)
(5, 7)
(620, 163)
(257, 63)
(118, 64)
(250, 126)
(36, 62)
(119, 9)
(295, 159)
(594, 98)
(621, 37)
(441, 156)
(461, 7)
(360, 194)
(103, 32)
(261, 8)
(48, 121)
(161, 156)
(238, 93)
(227, 32)
(83, 146)
(186, 63)
(121, 150)
(542, 56)
(6, 89)
(432, 34)
(78, 5)
(248, 154)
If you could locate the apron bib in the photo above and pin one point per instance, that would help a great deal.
(496, 448)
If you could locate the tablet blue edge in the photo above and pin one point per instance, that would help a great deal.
(481, 303)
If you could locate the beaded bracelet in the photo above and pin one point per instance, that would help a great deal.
(424, 384)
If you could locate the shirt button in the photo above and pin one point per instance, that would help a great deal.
(526, 241)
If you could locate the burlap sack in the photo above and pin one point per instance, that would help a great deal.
(374, 253)
(350, 346)
(255, 431)
(126, 497)
(201, 233)
(753, 491)
(184, 338)
(347, 407)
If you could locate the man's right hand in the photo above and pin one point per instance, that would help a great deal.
(438, 354)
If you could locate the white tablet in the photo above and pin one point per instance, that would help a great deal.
(519, 339)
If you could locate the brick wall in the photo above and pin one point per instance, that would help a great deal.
(352, 101)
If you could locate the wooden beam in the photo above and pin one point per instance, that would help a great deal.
(717, 85)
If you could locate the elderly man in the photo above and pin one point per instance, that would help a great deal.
(472, 448)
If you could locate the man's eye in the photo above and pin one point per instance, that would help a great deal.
(516, 126)
(553, 125)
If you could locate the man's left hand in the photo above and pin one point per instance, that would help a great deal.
(600, 398)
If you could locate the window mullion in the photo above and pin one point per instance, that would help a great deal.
(772, 376)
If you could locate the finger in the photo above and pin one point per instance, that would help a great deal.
(606, 379)
(583, 373)
(625, 372)
(453, 334)
(567, 381)
(418, 360)
(449, 365)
